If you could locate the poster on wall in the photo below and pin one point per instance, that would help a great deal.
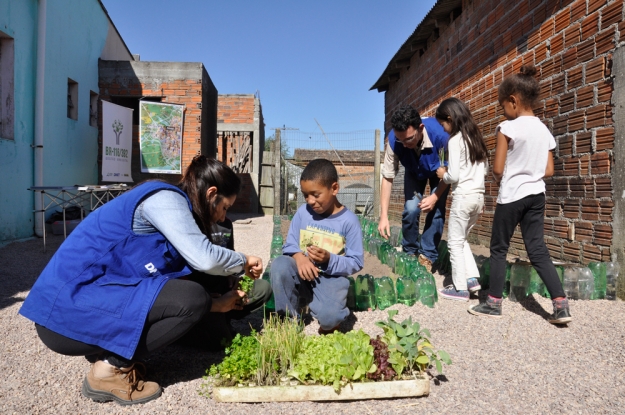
(116, 143)
(160, 137)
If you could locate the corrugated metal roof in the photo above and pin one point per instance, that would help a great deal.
(440, 12)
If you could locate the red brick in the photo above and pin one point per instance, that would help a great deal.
(562, 20)
(576, 121)
(560, 228)
(560, 124)
(572, 35)
(595, 70)
(557, 84)
(551, 108)
(583, 143)
(612, 14)
(541, 52)
(565, 145)
(606, 210)
(604, 91)
(590, 25)
(591, 254)
(585, 97)
(571, 251)
(557, 44)
(583, 231)
(596, 5)
(554, 246)
(552, 209)
(584, 167)
(603, 234)
(578, 10)
(574, 78)
(595, 116)
(605, 41)
(603, 187)
(546, 29)
(600, 163)
(567, 102)
(569, 58)
(571, 167)
(604, 139)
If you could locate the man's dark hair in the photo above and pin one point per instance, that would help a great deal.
(322, 171)
(404, 117)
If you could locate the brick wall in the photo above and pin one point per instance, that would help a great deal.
(571, 44)
(235, 109)
(123, 84)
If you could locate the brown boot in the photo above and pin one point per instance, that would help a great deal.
(425, 261)
(106, 383)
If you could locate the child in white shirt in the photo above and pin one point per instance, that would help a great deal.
(522, 158)
(465, 172)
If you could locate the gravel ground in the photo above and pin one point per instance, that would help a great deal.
(517, 364)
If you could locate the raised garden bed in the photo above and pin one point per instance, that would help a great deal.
(355, 391)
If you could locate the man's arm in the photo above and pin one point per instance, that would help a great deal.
(385, 200)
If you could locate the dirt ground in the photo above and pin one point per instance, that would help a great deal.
(519, 364)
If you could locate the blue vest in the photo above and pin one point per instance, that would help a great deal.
(101, 283)
(425, 165)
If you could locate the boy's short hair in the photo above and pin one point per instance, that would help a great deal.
(320, 170)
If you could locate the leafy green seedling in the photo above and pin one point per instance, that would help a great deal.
(409, 346)
(246, 284)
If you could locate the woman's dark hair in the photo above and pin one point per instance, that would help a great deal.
(459, 116)
(522, 84)
(404, 117)
(202, 173)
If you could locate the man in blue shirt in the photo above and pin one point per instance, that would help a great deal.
(416, 143)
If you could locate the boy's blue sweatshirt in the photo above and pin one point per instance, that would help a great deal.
(339, 234)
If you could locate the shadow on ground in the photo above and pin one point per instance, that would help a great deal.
(22, 262)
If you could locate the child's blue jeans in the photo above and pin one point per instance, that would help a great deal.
(326, 296)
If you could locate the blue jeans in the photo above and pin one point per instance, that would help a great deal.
(434, 221)
(326, 296)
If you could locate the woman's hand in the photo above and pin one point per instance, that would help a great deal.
(231, 300)
(253, 267)
(440, 172)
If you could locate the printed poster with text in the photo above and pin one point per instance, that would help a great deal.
(324, 238)
(160, 137)
(116, 143)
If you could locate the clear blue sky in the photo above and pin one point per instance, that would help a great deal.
(309, 59)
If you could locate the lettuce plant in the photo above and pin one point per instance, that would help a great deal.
(409, 346)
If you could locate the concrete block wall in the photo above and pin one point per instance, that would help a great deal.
(171, 82)
(572, 45)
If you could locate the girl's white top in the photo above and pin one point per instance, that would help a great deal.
(465, 177)
(526, 161)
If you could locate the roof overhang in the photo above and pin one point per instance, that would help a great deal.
(441, 14)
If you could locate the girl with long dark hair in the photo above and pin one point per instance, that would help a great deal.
(465, 172)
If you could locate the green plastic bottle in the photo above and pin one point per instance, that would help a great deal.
(385, 292)
(537, 286)
(351, 294)
(611, 273)
(485, 274)
(598, 270)
(400, 262)
(519, 281)
(427, 291)
(270, 305)
(365, 293)
(407, 290)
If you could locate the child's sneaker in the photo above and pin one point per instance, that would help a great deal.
(491, 308)
(473, 285)
(451, 293)
(561, 313)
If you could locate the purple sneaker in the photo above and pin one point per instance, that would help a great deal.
(451, 293)
(473, 285)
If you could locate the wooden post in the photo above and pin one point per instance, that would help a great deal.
(277, 156)
(376, 176)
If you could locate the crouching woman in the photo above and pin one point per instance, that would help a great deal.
(113, 291)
